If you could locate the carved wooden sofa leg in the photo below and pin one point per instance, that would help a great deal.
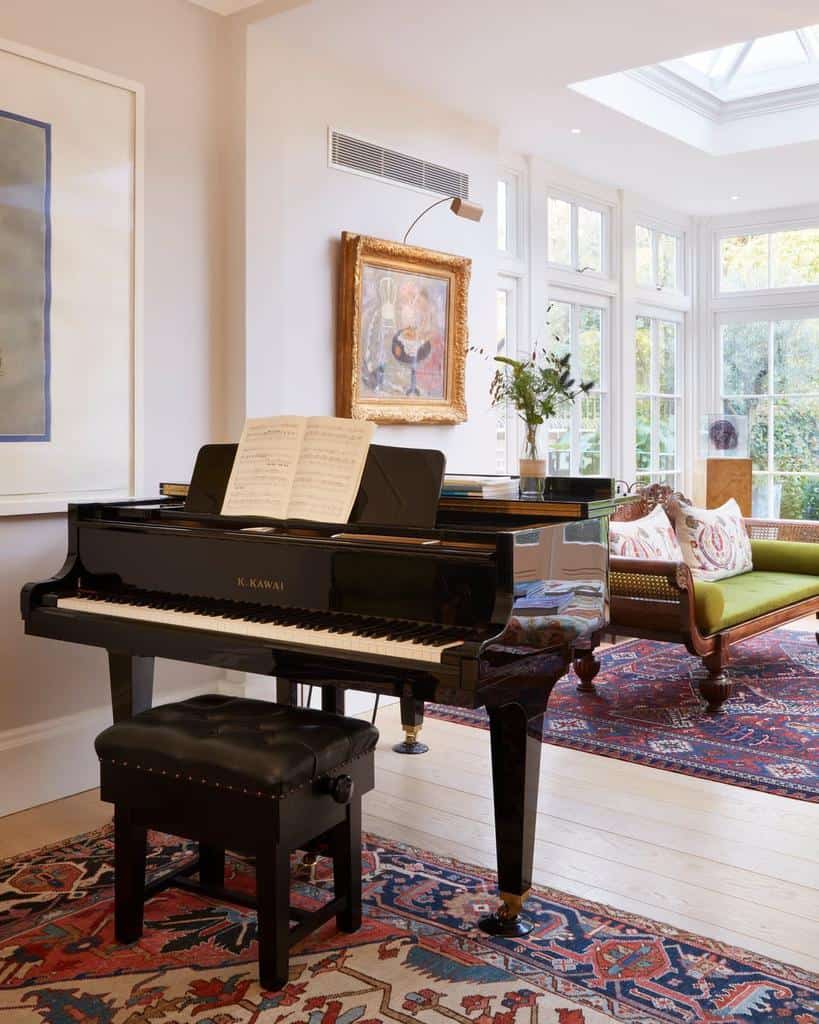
(586, 665)
(717, 688)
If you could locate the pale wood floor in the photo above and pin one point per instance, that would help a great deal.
(718, 860)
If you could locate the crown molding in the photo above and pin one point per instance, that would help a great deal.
(668, 83)
(226, 7)
(679, 89)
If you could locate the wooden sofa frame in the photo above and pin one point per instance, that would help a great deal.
(655, 600)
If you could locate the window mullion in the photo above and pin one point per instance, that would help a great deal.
(679, 335)
(574, 459)
(771, 390)
(655, 258)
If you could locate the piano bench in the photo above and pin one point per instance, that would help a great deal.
(259, 778)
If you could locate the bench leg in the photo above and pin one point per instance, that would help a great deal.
(346, 846)
(273, 902)
(212, 865)
(130, 847)
(717, 688)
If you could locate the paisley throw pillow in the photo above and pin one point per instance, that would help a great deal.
(649, 537)
(714, 541)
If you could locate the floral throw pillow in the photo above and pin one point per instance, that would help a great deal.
(714, 541)
(649, 537)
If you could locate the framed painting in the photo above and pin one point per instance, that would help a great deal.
(402, 333)
(70, 283)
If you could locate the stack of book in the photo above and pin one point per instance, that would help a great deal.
(480, 487)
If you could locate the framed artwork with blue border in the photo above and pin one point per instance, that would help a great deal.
(71, 283)
(25, 278)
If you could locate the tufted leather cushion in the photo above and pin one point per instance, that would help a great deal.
(251, 745)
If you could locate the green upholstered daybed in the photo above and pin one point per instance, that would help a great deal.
(660, 600)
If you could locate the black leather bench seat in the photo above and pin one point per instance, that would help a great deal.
(253, 746)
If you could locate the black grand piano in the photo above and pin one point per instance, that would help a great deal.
(465, 602)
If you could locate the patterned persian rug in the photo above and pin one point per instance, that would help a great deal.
(647, 710)
(418, 956)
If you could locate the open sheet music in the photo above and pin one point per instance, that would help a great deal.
(298, 467)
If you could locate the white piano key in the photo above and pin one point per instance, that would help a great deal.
(322, 639)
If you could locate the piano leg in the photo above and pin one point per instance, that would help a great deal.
(332, 699)
(286, 692)
(515, 741)
(412, 718)
(132, 684)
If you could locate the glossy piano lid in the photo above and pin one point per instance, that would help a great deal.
(399, 487)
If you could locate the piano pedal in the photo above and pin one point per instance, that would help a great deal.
(411, 744)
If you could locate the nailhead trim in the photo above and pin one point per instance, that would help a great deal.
(224, 785)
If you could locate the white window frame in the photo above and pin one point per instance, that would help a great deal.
(657, 228)
(515, 215)
(659, 315)
(769, 228)
(512, 286)
(575, 201)
(602, 388)
(763, 314)
(719, 308)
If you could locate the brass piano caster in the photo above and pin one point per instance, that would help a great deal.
(506, 922)
(306, 870)
(411, 744)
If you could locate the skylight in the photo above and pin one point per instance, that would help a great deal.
(753, 95)
(787, 60)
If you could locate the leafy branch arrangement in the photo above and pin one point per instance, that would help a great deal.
(536, 388)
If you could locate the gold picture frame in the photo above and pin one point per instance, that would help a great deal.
(403, 335)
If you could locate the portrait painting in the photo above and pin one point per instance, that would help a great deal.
(402, 333)
(25, 286)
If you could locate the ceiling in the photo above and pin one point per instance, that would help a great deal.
(511, 64)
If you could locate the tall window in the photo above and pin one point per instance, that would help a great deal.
(770, 373)
(509, 241)
(574, 438)
(503, 216)
(658, 259)
(576, 235)
(658, 405)
(778, 259)
(505, 344)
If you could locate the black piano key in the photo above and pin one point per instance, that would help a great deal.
(400, 632)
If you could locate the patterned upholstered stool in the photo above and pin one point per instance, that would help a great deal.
(260, 778)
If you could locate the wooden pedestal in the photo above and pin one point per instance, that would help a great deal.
(728, 478)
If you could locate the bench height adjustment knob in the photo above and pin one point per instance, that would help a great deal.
(340, 788)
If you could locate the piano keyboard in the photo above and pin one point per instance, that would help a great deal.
(416, 641)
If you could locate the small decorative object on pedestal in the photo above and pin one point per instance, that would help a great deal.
(724, 436)
(536, 388)
(728, 469)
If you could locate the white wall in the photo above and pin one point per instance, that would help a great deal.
(53, 696)
(297, 208)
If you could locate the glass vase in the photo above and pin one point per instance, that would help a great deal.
(532, 467)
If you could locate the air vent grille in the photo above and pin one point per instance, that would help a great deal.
(352, 154)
